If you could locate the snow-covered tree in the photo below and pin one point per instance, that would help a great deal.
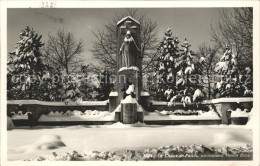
(176, 72)
(25, 67)
(235, 27)
(233, 82)
(187, 85)
(72, 91)
(165, 69)
(66, 87)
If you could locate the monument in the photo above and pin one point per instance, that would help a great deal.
(128, 40)
(128, 51)
(129, 72)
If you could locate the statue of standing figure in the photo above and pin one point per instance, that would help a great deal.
(128, 51)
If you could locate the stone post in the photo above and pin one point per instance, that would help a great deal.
(129, 113)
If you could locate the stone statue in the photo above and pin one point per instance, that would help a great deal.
(128, 51)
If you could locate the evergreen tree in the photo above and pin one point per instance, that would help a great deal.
(166, 66)
(71, 87)
(234, 82)
(177, 73)
(187, 86)
(65, 87)
(25, 68)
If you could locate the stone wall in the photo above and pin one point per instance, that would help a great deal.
(220, 105)
(42, 107)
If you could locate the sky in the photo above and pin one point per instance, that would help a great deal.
(193, 23)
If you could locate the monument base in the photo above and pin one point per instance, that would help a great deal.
(129, 113)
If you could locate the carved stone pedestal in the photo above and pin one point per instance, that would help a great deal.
(129, 113)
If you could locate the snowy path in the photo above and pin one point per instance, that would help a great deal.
(121, 137)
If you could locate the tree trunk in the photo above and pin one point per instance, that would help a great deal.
(209, 88)
(67, 67)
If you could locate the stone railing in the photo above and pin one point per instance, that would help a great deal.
(37, 108)
(220, 105)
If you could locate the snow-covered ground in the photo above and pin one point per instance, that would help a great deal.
(27, 143)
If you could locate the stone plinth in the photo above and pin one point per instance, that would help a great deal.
(129, 113)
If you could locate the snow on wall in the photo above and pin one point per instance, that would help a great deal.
(153, 116)
(212, 101)
(129, 68)
(126, 18)
(88, 115)
(153, 102)
(83, 103)
(239, 113)
(232, 100)
(20, 116)
(145, 93)
(113, 94)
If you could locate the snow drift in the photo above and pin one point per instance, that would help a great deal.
(10, 124)
(88, 115)
(46, 142)
(49, 142)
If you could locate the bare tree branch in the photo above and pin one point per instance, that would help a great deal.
(105, 47)
(236, 29)
(62, 50)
